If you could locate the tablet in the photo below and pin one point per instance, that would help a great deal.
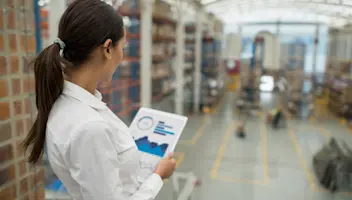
(156, 132)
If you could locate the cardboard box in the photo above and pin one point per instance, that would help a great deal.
(347, 95)
(161, 8)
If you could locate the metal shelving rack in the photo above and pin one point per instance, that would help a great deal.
(163, 28)
(163, 78)
(294, 69)
(293, 54)
(338, 76)
(189, 66)
(211, 48)
(212, 68)
(123, 94)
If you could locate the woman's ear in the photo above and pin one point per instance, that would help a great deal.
(107, 48)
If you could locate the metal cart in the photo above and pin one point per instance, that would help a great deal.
(247, 102)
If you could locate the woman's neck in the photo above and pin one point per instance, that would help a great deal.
(85, 78)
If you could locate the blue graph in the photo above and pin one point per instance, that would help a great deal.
(145, 123)
(146, 146)
(163, 129)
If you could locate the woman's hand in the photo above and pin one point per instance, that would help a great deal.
(166, 167)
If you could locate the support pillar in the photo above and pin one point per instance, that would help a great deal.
(198, 61)
(278, 61)
(278, 24)
(315, 49)
(240, 30)
(348, 45)
(180, 57)
(240, 34)
(146, 53)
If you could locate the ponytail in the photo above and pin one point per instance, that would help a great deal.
(49, 83)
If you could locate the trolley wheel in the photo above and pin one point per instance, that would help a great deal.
(197, 183)
(241, 134)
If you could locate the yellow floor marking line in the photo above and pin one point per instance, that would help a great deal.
(216, 108)
(301, 158)
(325, 133)
(263, 135)
(180, 158)
(222, 149)
(343, 121)
(205, 121)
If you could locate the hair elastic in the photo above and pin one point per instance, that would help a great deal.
(61, 45)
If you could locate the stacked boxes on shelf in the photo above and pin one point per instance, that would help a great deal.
(212, 85)
(339, 97)
(295, 79)
(338, 79)
(251, 71)
(122, 95)
(163, 51)
(250, 79)
(189, 53)
(207, 68)
(211, 48)
(189, 65)
(293, 55)
(293, 61)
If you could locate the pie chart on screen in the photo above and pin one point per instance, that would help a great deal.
(145, 123)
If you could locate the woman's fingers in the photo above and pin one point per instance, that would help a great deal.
(170, 156)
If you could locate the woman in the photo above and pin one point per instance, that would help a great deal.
(89, 148)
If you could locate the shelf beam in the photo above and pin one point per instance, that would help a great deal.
(146, 57)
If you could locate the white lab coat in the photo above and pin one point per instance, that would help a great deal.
(91, 151)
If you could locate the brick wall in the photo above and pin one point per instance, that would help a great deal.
(18, 180)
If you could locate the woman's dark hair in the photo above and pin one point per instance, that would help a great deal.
(85, 25)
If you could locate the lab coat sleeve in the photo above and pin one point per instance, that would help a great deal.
(95, 166)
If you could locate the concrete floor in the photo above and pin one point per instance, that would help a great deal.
(267, 165)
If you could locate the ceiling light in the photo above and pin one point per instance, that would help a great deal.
(207, 1)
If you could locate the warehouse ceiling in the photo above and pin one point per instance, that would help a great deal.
(332, 12)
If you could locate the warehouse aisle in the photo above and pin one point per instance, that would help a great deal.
(268, 164)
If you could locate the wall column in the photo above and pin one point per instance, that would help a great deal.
(146, 55)
(180, 57)
(198, 61)
(55, 8)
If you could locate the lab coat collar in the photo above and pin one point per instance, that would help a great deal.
(77, 92)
